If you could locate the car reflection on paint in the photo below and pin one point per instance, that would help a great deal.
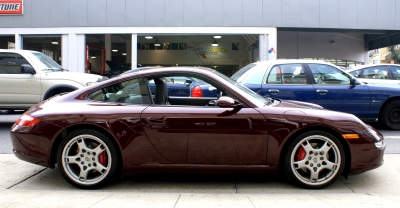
(110, 129)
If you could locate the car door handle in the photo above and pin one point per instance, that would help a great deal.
(273, 91)
(322, 91)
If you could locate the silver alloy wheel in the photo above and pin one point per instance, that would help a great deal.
(86, 159)
(319, 162)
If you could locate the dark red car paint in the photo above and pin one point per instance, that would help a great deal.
(154, 137)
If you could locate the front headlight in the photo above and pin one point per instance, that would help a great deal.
(380, 145)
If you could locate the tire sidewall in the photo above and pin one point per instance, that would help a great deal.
(110, 146)
(383, 120)
(287, 160)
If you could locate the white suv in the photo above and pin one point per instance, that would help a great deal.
(28, 77)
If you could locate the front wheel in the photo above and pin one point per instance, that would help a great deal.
(87, 159)
(314, 160)
(390, 116)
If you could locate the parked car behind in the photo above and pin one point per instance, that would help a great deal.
(377, 73)
(115, 69)
(28, 77)
(324, 84)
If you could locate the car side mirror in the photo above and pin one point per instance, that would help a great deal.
(228, 102)
(354, 81)
(27, 69)
(188, 82)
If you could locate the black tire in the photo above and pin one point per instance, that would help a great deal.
(87, 159)
(390, 116)
(314, 152)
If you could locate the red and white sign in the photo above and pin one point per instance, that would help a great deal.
(11, 7)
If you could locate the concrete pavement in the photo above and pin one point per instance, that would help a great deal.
(26, 185)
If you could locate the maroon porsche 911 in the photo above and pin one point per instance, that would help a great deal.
(119, 126)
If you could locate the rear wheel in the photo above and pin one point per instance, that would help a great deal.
(87, 159)
(390, 116)
(314, 160)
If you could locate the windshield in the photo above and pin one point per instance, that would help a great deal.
(46, 62)
(244, 89)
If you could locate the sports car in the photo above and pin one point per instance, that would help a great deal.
(99, 133)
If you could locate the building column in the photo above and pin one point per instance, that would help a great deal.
(134, 51)
(73, 52)
(268, 45)
(128, 50)
(64, 51)
(366, 57)
(19, 42)
(108, 46)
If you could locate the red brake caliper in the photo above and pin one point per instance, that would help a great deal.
(103, 158)
(301, 154)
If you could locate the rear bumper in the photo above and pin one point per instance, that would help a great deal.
(33, 146)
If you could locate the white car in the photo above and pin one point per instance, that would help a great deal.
(28, 77)
(376, 73)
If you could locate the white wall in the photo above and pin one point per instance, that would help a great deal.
(319, 45)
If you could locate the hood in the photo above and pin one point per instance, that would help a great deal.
(82, 78)
(299, 104)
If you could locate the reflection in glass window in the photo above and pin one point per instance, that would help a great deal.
(377, 72)
(356, 73)
(133, 91)
(395, 72)
(325, 74)
(10, 63)
(287, 74)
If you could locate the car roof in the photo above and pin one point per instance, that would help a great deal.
(17, 51)
(353, 68)
(292, 61)
(167, 69)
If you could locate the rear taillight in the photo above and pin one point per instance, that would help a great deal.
(196, 92)
(27, 120)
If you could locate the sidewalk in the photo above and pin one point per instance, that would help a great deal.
(26, 185)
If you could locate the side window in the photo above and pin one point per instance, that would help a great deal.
(10, 63)
(287, 74)
(395, 71)
(376, 72)
(325, 74)
(356, 73)
(133, 91)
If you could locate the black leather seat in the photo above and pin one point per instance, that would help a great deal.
(161, 96)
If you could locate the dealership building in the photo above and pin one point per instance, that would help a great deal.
(226, 35)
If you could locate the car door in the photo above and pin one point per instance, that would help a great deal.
(289, 82)
(17, 89)
(209, 135)
(334, 91)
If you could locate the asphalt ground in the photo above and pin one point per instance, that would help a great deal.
(27, 185)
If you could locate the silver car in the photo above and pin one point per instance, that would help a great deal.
(28, 77)
(377, 73)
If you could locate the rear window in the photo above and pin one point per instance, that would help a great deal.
(242, 71)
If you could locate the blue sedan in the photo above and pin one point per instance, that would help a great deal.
(324, 84)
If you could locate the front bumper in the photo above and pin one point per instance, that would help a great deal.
(367, 160)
